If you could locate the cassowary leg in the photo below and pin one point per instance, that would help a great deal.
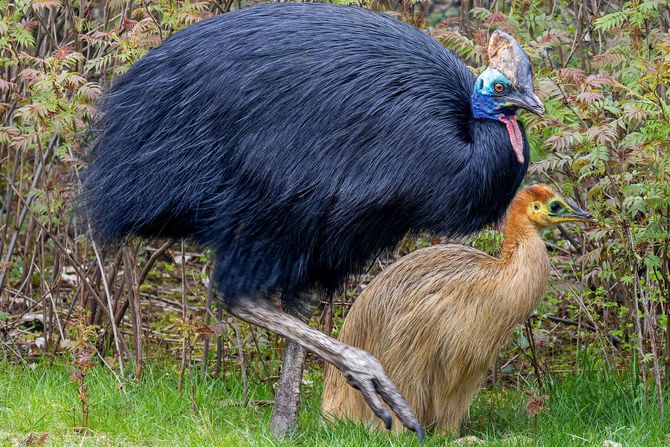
(361, 370)
(285, 410)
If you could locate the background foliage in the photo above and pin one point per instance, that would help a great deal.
(602, 68)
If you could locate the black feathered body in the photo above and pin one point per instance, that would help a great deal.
(296, 140)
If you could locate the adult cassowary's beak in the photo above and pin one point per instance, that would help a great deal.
(527, 101)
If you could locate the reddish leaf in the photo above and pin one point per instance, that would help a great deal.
(536, 404)
(129, 24)
(62, 52)
(29, 24)
(573, 76)
(589, 97)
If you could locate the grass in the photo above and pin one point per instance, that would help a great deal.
(41, 398)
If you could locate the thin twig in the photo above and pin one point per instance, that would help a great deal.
(108, 295)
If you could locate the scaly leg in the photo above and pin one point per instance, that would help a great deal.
(285, 410)
(361, 370)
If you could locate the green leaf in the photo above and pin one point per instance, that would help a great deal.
(610, 21)
(522, 341)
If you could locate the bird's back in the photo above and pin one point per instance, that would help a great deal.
(297, 140)
(418, 286)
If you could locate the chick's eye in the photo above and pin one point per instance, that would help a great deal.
(498, 87)
(555, 207)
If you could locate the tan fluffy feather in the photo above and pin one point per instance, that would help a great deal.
(437, 318)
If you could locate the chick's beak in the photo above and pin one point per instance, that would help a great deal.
(577, 214)
(528, 101)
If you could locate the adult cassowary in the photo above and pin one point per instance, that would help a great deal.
(297, 141)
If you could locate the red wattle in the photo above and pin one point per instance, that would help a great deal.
(514, 135)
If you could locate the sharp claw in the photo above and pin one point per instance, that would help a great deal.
(377, 385)
(385, 416)
(398, 404)
(419, 432)
(370, 396)
(388, 421)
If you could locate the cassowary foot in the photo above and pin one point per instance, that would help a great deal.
(361, 369)
(285, 411)
(364, 372)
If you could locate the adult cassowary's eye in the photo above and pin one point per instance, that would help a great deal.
(498, 87)
(555, 207)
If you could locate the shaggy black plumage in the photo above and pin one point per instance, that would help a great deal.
(297, 140)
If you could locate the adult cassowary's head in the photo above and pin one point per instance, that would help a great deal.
(505, 87)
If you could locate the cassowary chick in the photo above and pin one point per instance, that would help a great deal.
(437, 318)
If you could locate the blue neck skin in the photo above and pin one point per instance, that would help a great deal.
(485, 106)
